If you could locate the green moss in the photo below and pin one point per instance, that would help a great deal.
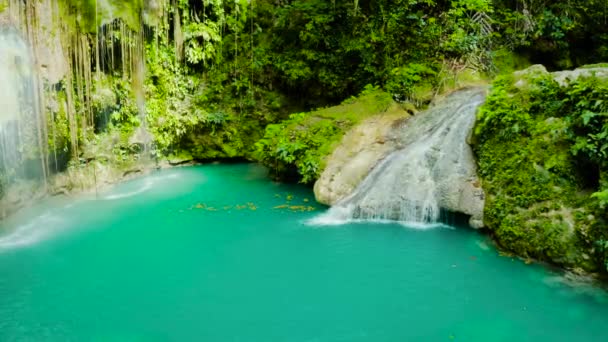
(298, 147)
(90, 14)
(538, 189)
(356, 109)
(506, 61)
(231, 139)
(592, 66)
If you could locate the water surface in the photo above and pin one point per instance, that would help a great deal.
(220, 253)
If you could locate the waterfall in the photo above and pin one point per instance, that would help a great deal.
(55, 58)
(21, 119)
(142, 135)
(426, 173)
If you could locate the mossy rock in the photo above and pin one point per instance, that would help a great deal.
(539, 190)
(298, 148)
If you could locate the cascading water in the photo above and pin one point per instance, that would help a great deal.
(55, 57)
(142, 135)
(21, 120)
(428, 171)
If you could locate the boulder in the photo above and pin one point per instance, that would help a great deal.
(565, 77)
(562, 77)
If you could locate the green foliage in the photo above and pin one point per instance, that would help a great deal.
(297, 143)
(189, 117)
(470, 32)
(507, 61)
(125, 114)
(3, 184)
(540, 149)
(168, 107)
(88, 14)
(596, 65)
(202, 33)
(345, 45)
(58, 141)
(588, 100)
(560, 34)
(200, 39)
(411, 82)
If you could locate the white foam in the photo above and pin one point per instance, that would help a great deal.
(38, 229)
(328, 219)
(145, 187)
(483, 245)
(148, 183)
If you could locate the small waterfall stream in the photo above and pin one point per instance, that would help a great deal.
(428, 171)
(21, 119)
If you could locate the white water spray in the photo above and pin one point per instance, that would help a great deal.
(21, 120)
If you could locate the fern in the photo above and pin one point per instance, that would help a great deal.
(483, 22)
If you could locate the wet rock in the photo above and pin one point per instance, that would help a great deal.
(408, 169)
(360, 150)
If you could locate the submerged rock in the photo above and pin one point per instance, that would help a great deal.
(408, 170)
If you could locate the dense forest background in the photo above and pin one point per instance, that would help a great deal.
(204, 79)
(218, 72)
(207, 77)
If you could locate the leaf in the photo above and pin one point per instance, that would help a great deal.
(587, 116)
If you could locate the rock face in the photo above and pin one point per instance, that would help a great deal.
(408, 169)
(561, 77)
(539, 203)
(49, 51)
(91, 177)
(360, 150)
(50, 58)
(564, 77)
